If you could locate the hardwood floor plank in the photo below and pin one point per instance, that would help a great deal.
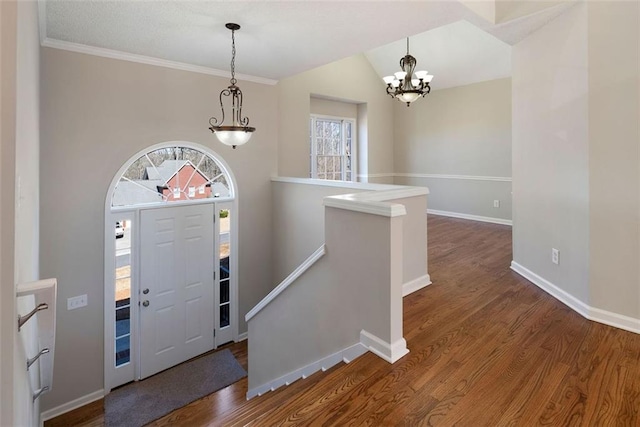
(487, 348)
(533, 395)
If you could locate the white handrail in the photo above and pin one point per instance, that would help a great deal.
(42, 304)
(319, 253)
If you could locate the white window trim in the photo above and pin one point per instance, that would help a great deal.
(313, 152)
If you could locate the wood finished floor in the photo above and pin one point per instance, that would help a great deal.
(487, 348)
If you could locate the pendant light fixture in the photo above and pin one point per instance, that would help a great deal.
(406, 87)
(238, 132)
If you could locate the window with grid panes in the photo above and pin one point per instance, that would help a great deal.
(332, 141)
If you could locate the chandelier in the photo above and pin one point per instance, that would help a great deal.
(238, 132)
(403, 85)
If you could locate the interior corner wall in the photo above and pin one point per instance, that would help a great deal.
(96, 114)
(550, 151)
(353, 80)
(462, 132)
(614, 162)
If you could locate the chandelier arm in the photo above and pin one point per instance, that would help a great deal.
(390, 92)
(224, 92)
(242, 121)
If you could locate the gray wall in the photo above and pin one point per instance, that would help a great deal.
(551, 152)
(8, 332)
(614, 160)
(28, 144)
(576, 162)
(27, 172)
(96, 114)
(298, 223)
(19, 171)
(462, 131)
(299, 226)
(327, 107)
(359, 278)
(351, 79)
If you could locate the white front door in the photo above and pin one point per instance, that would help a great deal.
(176, 285)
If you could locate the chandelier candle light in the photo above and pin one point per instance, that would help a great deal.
(238, 132)
(406, 87)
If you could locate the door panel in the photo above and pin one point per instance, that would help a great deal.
(176, 266)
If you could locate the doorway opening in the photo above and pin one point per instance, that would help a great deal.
(170, 260)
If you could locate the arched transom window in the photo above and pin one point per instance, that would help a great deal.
(172, 174)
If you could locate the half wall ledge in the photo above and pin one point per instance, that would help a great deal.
(376, 202)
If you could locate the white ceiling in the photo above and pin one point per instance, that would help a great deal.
(283, 38)
(456, 54)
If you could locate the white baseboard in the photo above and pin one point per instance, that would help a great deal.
(416, 285)
(389, 352)
(471, 217)
(243, 336)
(346, 355)
(70, 406)
(592, 313)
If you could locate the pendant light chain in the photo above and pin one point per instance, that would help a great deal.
(233, 57)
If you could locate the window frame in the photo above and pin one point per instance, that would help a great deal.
(313, 150)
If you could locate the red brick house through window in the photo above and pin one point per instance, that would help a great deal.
(185, 183)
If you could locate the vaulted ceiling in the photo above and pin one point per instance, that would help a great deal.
(279, 39)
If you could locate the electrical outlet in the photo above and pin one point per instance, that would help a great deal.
(76, 302)
(555, 256)
(496, 203)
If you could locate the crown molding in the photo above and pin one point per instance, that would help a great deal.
(141, 59)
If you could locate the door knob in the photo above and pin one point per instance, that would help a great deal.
(145, 303)
(146, 291)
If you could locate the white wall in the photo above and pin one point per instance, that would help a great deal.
(551, 152)
(96, 114)
(353, 80)
(462, 131)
